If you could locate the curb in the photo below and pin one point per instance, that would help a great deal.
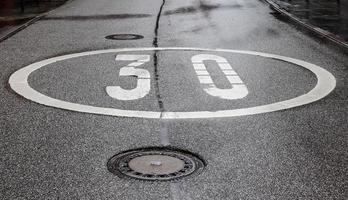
(316, 30)
(22, 27)
(28, 23)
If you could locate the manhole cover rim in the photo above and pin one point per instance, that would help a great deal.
(126, 36)
(198, 164)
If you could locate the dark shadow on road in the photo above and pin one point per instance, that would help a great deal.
(15, 14)
(201, 8)
(96, 17)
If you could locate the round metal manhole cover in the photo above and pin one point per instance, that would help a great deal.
(155, 164)
(124, 37)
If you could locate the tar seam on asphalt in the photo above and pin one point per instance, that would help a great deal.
(155, 40)
(175, 189)
(155, 61)
(164, 137)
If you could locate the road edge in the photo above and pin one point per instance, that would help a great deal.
(28, 23)
(313, 29)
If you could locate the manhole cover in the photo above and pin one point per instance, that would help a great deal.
(124, 37)
(155, 164)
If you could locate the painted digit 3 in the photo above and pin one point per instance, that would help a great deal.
(142, 75)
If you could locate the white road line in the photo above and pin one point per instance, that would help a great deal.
(224, 66)
(229, 72)
(326, 82)
(202, 73)
(234, 79)
(205, 79)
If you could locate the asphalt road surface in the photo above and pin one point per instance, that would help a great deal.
(267, 111)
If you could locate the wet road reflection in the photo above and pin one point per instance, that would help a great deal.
(328, 15)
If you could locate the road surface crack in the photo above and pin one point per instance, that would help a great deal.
(155, 56)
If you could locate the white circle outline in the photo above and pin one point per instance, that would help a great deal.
(326, 82)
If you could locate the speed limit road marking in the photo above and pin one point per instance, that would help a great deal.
(326, 82)
(238, 90)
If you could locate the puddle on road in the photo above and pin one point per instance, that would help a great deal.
(201, 8)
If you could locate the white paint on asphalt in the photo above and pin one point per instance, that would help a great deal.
(238, 90)
(164, 136)
(178, 193)
(326, 82)
(143, 76)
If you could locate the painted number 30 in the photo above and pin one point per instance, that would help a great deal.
(238, 89)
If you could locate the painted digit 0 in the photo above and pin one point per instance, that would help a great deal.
(238, 90)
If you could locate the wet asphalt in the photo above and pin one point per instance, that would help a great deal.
(51, 153)
(328, 15)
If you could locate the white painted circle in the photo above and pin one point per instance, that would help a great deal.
(326, 82)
